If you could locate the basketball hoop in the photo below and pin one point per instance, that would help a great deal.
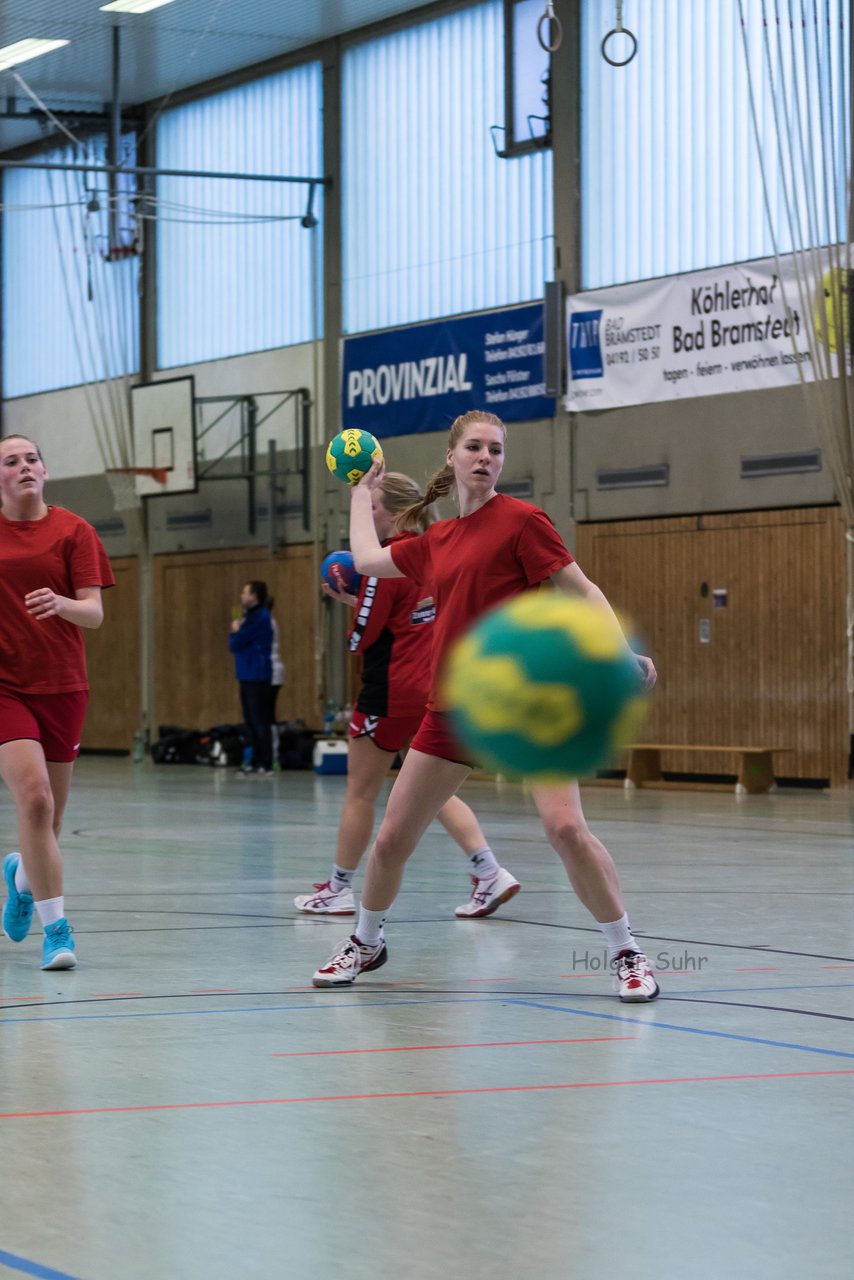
(123, 485)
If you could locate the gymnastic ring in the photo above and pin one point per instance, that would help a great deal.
(617, 31)
(546, 20)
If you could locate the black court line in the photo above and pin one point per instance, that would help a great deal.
(405, 991)
(773, 1008)
(327, 922)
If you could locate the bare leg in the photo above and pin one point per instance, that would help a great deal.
(462, 826)
(588, 863)
(423, 786)
(367, 767)
(28, 776)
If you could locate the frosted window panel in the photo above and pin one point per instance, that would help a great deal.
(671, 179)
(69, 316)
(434, 223)
(234, 263)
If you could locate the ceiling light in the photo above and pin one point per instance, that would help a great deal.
(134, 6)
(23, 50)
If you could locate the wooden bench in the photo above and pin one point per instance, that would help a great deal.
(755, 767)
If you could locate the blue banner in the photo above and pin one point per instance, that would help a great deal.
(403, 381)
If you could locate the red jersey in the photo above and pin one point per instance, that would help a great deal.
(393, 631)
(63, 552)
(474, 562)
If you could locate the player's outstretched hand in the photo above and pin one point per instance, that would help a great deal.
(343, 597)
(647, 669)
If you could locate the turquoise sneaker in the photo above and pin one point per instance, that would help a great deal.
(58, 949)
(18, 909)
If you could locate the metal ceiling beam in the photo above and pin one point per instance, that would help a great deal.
(164, 173)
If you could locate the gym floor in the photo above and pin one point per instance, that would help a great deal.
(185, 1104)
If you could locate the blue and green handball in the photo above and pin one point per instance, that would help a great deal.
(544, 687)
(351, 454)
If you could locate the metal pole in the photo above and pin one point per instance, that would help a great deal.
(272, 497)
(114, 141)
(155, 172)
(305, 404)
(252, 460)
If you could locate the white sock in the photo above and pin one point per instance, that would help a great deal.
(369, 930)
(50, 910)
(22, 884)
(341, 879)
(619, 936)
(484, 864)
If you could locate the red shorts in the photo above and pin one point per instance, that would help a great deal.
(435, 738)
(53, 719)
(389, 733)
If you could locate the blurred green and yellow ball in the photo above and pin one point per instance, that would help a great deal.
(544, 687)
(351, 454)
(830, 309)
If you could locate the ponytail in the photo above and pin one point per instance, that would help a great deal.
(412, 519)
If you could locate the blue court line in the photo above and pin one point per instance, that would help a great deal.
(275, 1008)
(670, 1026)
(28, 1268)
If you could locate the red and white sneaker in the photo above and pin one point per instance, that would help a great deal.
(488, 895)
(634, 980)
(351, 959)
(326, 901)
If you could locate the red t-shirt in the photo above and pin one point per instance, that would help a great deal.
(393, 631)
(474, 562)
(63, 552)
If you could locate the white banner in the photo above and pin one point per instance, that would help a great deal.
(734, 328)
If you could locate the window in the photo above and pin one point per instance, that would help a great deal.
(527, 110)
(434, 222)
(671, 176)
(234, 262)
(69, 314)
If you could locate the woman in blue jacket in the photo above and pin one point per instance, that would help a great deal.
(251, 642)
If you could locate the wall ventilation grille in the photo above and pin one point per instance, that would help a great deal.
(781, 464)
(634, 477)
(190, 520)
(517, 488)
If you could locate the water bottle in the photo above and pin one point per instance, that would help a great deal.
(138, 747)
(329, 718)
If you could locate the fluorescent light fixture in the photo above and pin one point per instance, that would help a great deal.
(134, 6)
(23, 50)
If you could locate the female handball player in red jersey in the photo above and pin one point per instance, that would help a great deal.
(496, 548)
(393, 632)
(52, 570)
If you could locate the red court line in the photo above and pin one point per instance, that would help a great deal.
(214, 991)
(416, 1093)
(7, 998)
(421, 1048)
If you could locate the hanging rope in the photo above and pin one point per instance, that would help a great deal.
(549, 29)
(619, 30)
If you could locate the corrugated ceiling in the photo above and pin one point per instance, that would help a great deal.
(171, 48)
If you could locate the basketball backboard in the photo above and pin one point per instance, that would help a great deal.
(164, 435)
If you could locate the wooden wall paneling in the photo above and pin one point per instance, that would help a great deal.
(195, 596)
(113, 657)
(773, 673)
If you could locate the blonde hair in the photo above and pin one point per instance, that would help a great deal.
(442, 481)
(15, 436)
(400, 493)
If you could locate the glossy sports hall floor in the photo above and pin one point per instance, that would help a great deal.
(186, 1105)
